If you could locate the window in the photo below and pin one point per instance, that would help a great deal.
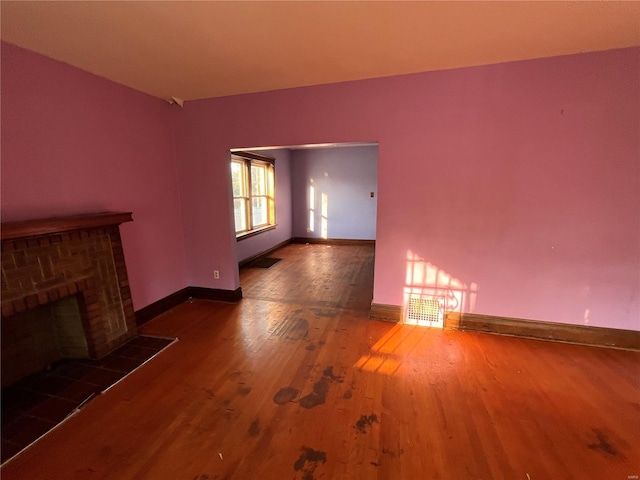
(252, 178)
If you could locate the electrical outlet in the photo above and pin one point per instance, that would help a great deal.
(216, 274)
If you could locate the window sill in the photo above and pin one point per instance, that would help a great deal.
(253, 233)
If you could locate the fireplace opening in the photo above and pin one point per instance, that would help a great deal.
(34, 340)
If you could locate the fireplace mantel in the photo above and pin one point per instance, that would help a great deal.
(49, 226)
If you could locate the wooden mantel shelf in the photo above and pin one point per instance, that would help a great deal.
(50, 226)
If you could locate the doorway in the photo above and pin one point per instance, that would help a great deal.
(324, 194)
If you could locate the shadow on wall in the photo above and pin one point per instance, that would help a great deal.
(429, 292)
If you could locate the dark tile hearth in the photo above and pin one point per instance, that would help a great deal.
(36, 404)
(264, 262)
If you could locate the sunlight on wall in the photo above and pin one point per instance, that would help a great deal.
(324, 221)
(430, 292)
(312, 204)
(324, 211)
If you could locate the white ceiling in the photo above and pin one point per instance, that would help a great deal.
(194, 50)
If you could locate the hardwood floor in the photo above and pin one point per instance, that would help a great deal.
(295, 382)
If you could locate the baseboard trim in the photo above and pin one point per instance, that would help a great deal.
(264, 253)
(159, 307)
(559, 332)
(333, 241)
(167, 303)
(217, 295)
(388, 313)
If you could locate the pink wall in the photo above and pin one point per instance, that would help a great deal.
(76, 143)
(520, 178)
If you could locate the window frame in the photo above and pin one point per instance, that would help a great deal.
(248, 160)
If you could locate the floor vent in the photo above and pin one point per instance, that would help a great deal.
(428, 311)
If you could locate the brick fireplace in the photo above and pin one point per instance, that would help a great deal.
(64, 287)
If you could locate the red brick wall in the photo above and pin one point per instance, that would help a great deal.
(88, 263)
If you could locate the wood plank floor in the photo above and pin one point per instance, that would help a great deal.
(295, 382)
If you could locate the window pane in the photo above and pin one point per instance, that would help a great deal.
(258, 180)
(253, 186)
(259, 211)
(240, 214)
(236, 179)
